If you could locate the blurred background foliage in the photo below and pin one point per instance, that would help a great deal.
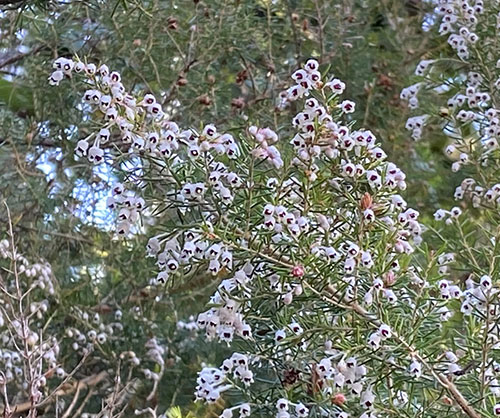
(210, 61)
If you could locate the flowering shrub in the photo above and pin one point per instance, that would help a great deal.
(313, 246)
(45, 364)
(28, 357)
(464, 81)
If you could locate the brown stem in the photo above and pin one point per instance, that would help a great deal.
(87, 382)
(439, 377)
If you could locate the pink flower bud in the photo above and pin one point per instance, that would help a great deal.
(389, 278)
(338, 399)
(298, 271)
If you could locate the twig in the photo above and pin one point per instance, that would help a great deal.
(87, 382)
(18, 57)
(440, 378)
(89, 394)
(7, 412)
(73, 402)
(320, 31)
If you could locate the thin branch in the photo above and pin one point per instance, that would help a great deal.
(18, 57)
(89, 394)
(87, 382)
(440, 378)
(73, 402)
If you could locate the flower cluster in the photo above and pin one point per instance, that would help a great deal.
(212, 382)
(471, 107)
(195, 250)
(135, 125)
(128, 205)
(266, 137)
(410, 94)
(225, 320)
(283, 407)
(39, 274)
(415, 124)
(92, 329)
